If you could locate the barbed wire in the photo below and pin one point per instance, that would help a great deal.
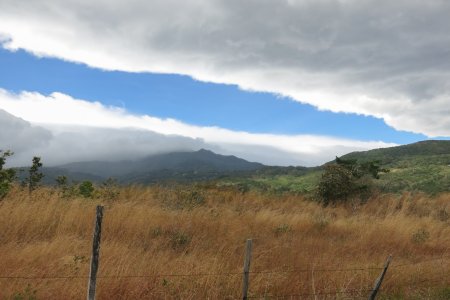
(294, 270)
(44, 277)
(420, 262)
(187, 275)
(426, 280)
(303, 270)
(354, 291)
(433, 281)
(122, 276)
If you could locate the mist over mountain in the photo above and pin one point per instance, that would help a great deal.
(201, 164)
(113, 140)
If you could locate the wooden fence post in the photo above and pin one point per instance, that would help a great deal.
(248, 256)
(377, 285)
(95, 253)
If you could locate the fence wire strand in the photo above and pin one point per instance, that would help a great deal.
(294, 270)
(431, 282)
(354, 291)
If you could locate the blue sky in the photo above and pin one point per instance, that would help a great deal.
(188, 100)
(148, 76)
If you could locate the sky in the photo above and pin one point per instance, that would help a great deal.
(289, 82)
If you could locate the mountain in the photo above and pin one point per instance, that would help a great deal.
(184, 166)
(427, 149)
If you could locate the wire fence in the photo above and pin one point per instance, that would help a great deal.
(291, 270)
(359, 293)
(354, 292)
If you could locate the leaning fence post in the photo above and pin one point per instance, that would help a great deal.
(95, 253)
(248, 256)
(377, 285)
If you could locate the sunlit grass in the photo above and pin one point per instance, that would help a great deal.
(158, 232)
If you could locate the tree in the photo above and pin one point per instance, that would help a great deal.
(34, 174)
(7, 176)
(348, 178)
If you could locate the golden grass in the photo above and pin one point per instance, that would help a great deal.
(155, 233)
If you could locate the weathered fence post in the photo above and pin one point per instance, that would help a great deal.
(95, 253)
(377, 285)
(248, 256)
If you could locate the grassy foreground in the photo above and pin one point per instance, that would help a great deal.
(301, 250)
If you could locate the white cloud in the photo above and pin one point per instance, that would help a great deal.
(81, 130)
(387, 59)
(58, 144)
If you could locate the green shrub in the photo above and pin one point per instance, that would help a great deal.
(336, 184)
(86, 189)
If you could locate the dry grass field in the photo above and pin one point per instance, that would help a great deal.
(301, 250)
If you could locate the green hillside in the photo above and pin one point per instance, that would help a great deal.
(435, 151)
(422, 166)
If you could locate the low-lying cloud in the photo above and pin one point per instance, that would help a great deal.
(63, 144)
(62, 129)
(387, 59)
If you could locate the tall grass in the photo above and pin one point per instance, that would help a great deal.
(157, 232)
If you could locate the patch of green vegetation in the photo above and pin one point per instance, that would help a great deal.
(302, 184)
(422, 167)
(429, 174)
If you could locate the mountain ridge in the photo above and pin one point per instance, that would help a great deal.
(421, 148)
(422, 166)
(201, 164)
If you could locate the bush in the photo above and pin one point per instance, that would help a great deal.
(109, 189)
(179, 240)
(62, 184)
(86, 189)
(346, 179)
(336, 184)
